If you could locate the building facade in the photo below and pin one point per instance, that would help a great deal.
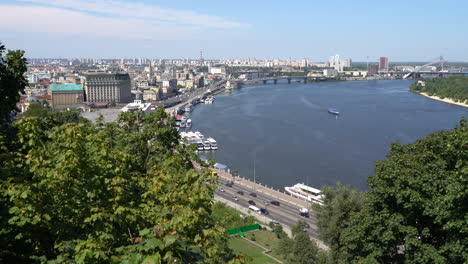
(373, 69)
(66, 94)
(383, 63)
(107, 87)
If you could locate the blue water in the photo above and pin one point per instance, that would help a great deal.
(286, 131)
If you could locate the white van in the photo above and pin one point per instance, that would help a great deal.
(254, 208)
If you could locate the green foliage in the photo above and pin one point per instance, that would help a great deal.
(300, 249)
(230, 218)
(334, 215)
(278, 230)
(203, 69)
(453, 87)
(12, 81)
(415, 210)
(52, 118)
(106, 193)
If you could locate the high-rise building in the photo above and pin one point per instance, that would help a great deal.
(383, 63)
(107, 87)
(372, 69)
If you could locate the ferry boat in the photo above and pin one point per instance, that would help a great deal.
(213, 143)
(200, 145)
(305, 192)
(199, 135)
(206, 145)
(333, 111)
(209, 100)
(188, 123)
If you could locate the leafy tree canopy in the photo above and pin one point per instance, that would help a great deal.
(454, 87)
(416, 208)
(333, 216)
(12, 81)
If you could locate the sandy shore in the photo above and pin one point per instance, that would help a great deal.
(445, 100)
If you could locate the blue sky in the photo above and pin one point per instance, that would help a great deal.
(402, 30)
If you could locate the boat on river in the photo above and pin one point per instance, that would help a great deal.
(333, 111)
(305, 192)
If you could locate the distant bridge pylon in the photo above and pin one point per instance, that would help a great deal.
(421, 69)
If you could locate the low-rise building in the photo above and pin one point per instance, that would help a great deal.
(137, 105)
(355, 73)
(330, 72)
(66, 94)
(154, 94)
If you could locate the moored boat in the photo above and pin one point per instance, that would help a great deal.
(305, 192)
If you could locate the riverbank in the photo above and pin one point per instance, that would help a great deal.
(445, 100)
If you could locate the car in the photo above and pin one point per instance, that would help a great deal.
(306, 215)
(251, 202)
(228, 184)
(275, 222)
(304, 212)
(235, 198)
(221, 189)
(264, 211)
(253, 194)
(266, 202)
(275, 203)
(240, 192)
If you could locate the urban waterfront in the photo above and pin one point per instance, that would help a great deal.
(281, 133)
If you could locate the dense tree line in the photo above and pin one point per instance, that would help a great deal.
(414, 211)
(122, 192)
(453, 87)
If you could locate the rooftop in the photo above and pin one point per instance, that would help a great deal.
(65, 87)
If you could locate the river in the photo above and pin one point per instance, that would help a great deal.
(284, 133)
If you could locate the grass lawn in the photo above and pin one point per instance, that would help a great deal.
(263, 237)
(241, 246)
(267, 239)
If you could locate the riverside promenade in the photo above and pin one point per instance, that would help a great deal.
(260, 188)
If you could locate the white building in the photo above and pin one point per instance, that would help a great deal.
(137, 105)
(330, 72)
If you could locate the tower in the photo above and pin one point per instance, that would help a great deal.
(201, 58)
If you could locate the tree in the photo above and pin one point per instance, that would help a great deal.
(454, 87)
(115, 192)
(415, 209)
(12, 81)
(333, 217)
(300, 249)
(303, 250)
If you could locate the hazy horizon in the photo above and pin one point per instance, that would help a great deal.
(416, 31)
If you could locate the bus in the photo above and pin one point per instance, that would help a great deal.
(254, 208)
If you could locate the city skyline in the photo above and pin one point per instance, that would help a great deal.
(122, 29)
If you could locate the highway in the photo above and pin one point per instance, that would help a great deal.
(184, 98)
(285, 214)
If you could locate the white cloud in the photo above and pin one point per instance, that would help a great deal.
(143, 11)
(52, 20)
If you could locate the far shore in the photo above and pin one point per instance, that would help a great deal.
(445, 100)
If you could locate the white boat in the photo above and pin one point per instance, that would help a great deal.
(213, 143)
(200, 145)
(305, 192)
(206, 145)
(183, 123)
(188, 123)
(188, 108)
(199, 135)
(209, 100)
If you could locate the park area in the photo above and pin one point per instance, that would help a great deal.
(265, 240)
